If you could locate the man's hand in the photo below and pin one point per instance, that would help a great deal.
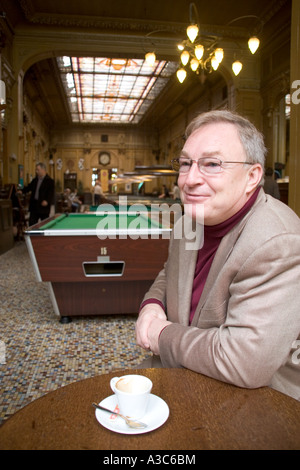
(152, 319)
(44, 203)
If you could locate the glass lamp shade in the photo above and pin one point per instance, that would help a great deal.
(192, 32)
(219, 54)
(253, 44)
(150, 58)
(215, 63)
(199, 51)
(237, 67)
(184, 57)
(181, 74)
(194, 64)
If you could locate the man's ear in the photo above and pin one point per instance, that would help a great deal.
(255, 175)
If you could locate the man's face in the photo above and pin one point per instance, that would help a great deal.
(222, 194)
(40, 172)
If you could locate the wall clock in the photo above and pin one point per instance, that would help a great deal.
(104, 158)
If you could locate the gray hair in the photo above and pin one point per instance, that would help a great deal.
(252, 140)
(42, 165)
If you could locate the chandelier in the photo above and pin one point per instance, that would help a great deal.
(203, 54)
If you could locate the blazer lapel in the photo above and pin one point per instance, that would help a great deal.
(188, 253)
(223, 252)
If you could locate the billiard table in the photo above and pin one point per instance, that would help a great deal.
(99, 263)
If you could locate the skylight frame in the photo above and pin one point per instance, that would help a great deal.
(106, 90)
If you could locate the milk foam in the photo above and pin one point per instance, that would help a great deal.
(132, 385)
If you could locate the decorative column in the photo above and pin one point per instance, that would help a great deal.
(294, 189)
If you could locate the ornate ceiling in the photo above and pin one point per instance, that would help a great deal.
(132, 15)
(127, 28)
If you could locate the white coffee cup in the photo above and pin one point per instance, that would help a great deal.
(132, 392)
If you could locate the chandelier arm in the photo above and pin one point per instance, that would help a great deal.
(193, 8)
(212, 46)
(256, 30)
(207, 62)
(147, 38)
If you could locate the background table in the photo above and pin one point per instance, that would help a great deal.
(204, 414)
(88, 275)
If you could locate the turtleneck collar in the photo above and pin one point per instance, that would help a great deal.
(219, 230)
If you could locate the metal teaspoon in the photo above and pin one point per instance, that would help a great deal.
(132, 423)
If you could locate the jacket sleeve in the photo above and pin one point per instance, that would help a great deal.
(261, 323)
(30, 187)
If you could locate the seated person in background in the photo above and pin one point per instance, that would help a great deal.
(176, 192)
(98, 193)
(230, 308)
(165, 192)
(75, 201)
(270, 185)
(71, 201)
(99, 197)
(67, 201)
(19, 221)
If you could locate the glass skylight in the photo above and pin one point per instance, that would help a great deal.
(99, 89)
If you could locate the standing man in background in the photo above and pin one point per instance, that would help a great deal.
(42, 194)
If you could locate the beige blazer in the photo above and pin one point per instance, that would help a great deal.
(247, 322)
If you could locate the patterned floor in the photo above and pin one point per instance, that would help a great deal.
(37, 353)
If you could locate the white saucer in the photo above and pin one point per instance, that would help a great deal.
(157, 414)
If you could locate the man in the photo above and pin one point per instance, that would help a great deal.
(230, 309)
(42, 194)
(71, 200)
(98, 193)
(270, 185)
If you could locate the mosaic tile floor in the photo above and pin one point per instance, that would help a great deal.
(37, 353)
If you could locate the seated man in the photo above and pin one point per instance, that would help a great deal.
(71, 202)
(67, 202)
(75, 201)
(229, 309)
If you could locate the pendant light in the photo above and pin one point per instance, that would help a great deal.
(237, 67)
(253, 44)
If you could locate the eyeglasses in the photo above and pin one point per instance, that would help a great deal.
(207, 165)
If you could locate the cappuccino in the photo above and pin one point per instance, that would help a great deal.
(132, 393)
(132, 384)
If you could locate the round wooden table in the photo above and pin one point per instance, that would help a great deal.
(204, 414)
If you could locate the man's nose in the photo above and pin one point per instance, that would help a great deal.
(194, 176)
